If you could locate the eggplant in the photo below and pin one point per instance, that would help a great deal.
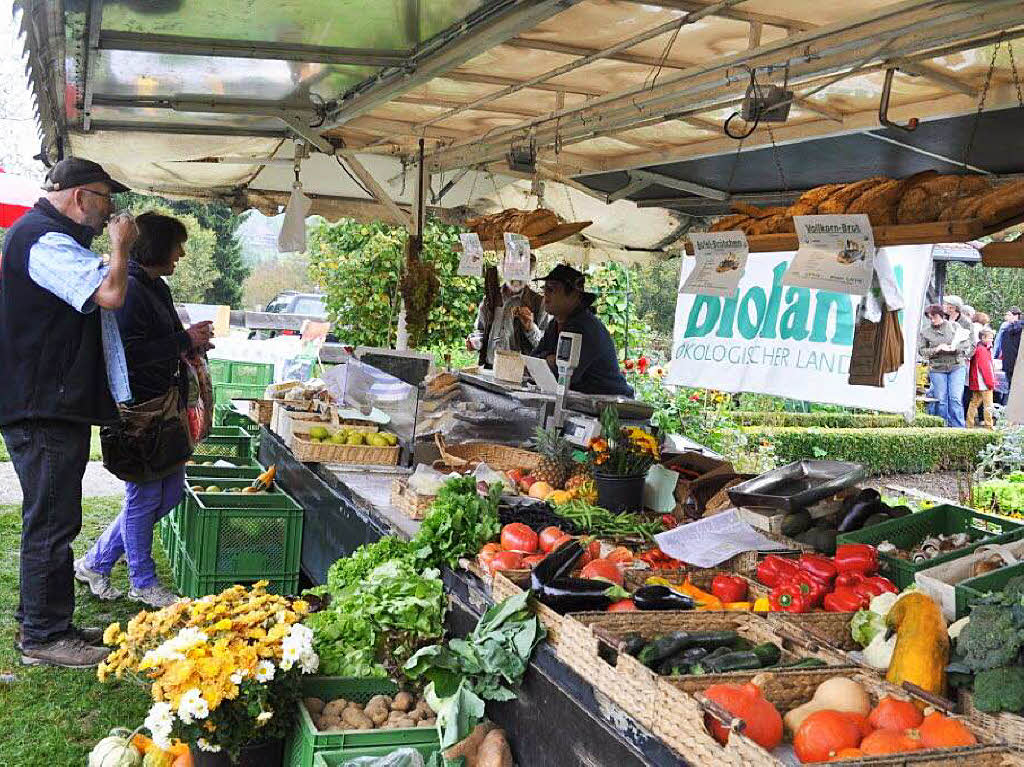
(868, 502)
(575, 595)
(558, 564)
(661, 598)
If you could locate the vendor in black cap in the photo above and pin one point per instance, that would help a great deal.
(571, 310)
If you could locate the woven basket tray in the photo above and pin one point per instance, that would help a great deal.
(503, 588)
(261, 410)
(322, 452)
(410, 503)
(498, 457)
(590, 641)
(681, 721)
(832, 629)
(1004, 727)
(701, 577)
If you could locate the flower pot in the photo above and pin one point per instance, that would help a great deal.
(618, 494)
(263, 753)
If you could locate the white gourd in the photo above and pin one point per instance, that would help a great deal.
(115, 750)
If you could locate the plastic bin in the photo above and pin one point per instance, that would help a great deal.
(907, 532)
(220, 371)
(189, 582)
(224, 442)
(222, 472)
(307, 742)
(223, 393)
(252, 373)
(969, 590)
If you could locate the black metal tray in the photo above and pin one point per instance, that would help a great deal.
(797, 485)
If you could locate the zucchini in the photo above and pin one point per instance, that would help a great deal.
(769, 653)
(742, 660)
(681, 662)
(666, 646)
(821, 539)
(804, 663)
(796, 522)
(632, 644)
(741, 643)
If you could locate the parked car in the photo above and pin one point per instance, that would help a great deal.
(294, 302)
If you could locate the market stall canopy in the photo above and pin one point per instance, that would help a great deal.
(619, 99)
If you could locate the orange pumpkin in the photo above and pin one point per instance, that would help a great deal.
(895, 714)
(143, 743)
(847, 753)
(940, 731)
(744, 701)
(184, 759)
(824, 733)
(888, 742)
(862, 723)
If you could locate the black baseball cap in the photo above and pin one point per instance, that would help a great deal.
(77, 171)
(573, 279)
(1014, 310)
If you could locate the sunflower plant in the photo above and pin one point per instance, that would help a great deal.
(223, 670)
(621, 451)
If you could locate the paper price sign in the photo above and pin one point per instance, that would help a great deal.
(471, 262)
(837, 253)
(516, 265)
(721, 259)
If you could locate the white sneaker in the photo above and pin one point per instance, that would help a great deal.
(99, 583)
(157, 595)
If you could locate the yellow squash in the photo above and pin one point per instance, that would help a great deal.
(922, 644)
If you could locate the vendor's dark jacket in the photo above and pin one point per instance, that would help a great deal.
(153, 337)
(51, 355)
(598, 371)
(1010, 346)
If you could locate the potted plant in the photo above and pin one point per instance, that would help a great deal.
(223, 670)
(621, 458)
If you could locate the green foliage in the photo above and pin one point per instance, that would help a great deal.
(694, 413)
(833, 420)
(364, 560)
(1003, 455)
(1000, 496)
(989, 290)
(883, 451)
(459, 522)
(656, 302)
(359, 266)
(609, 282)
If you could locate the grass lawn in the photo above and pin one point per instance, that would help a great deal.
(95, 454)
(52, 716)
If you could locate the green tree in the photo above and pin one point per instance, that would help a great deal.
(358, 265)
(989, 290)
(611, 282)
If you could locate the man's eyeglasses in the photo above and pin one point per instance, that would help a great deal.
(108, 197)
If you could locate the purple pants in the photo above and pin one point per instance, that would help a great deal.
(131, 533)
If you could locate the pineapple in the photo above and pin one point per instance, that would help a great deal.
(557, 462)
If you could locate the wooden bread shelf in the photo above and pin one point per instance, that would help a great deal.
(549, 237)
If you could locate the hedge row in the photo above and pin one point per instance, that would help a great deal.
(834, 420)
(883, 451)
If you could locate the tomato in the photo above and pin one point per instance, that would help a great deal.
(562, 541)
(604, 570)
(592, 552)
(620, 555)
(669, 522)
(505, 560)
(622, 606)
(533, 559)
(548, 536)
(518, 537)
(487, 553)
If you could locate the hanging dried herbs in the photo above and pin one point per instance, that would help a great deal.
(420, 288)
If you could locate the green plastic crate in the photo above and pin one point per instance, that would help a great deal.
(906, 532)
(189, 582)
(228, 416)
(242, 535)
(222, 472)
(220, 371)
(223, 393)
(196, 461)
(340, 758)
(969, 590)
(224, 442)
(307, 742)
(252, 373)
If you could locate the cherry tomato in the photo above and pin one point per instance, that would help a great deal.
(592, 552)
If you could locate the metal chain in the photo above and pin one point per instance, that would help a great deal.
(778, 160)
(1016, 76)
(497, 192)
(981, 105)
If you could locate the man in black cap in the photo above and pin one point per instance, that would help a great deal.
(571, 310)
(64, 369)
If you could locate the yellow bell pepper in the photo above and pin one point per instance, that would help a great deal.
(704, 600)
(761, 605)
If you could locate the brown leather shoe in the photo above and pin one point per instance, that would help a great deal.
(68, 652)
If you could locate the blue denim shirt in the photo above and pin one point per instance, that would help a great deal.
(72, 273)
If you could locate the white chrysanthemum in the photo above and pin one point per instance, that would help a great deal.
(264, 717)
(239, 675)
(309, 662)
(159, 721)
(192, 706)
(205, 745)
(264, 671)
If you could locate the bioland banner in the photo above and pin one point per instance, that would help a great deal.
(789, 341)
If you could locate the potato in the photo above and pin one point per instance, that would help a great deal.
(314, 705)
(330, 723)
(415, 715)
(378, 700)
(379, 716)
(494, 751)
(334, 708)
(405, 723)
(378, 709)
(426, 723)
(424, 708)
(356, 719)
(402, 702)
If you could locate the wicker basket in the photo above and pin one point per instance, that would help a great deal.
(832, 629)
(502, 588)
(701, 577)
(261, 411)
(590, 642)
(498, 457)
(324, 452)
(409, 502)
(681, 722)
(1005, 727)
(746, 563)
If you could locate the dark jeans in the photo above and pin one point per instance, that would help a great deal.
(49, 458)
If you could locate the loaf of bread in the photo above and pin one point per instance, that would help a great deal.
(755, 212)
(841, 199)
(924, 202)
(879, 203)
(813, 198)
(1001, 204)
(729, 223)
(962, 209)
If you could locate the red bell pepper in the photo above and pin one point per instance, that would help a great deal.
(809, 585)
(729, 588)
(856, 558)
(669, 521)
(774, 570)
(873, 585)
(789, 599)
(845, 600)
(882, 584)
(822, 568)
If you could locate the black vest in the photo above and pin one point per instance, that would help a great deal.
(51, 355)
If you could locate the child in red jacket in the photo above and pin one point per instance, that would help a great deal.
(981, 380)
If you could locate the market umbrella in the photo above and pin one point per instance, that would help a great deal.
(17, 195)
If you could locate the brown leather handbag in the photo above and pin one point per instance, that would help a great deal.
(150, 441)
